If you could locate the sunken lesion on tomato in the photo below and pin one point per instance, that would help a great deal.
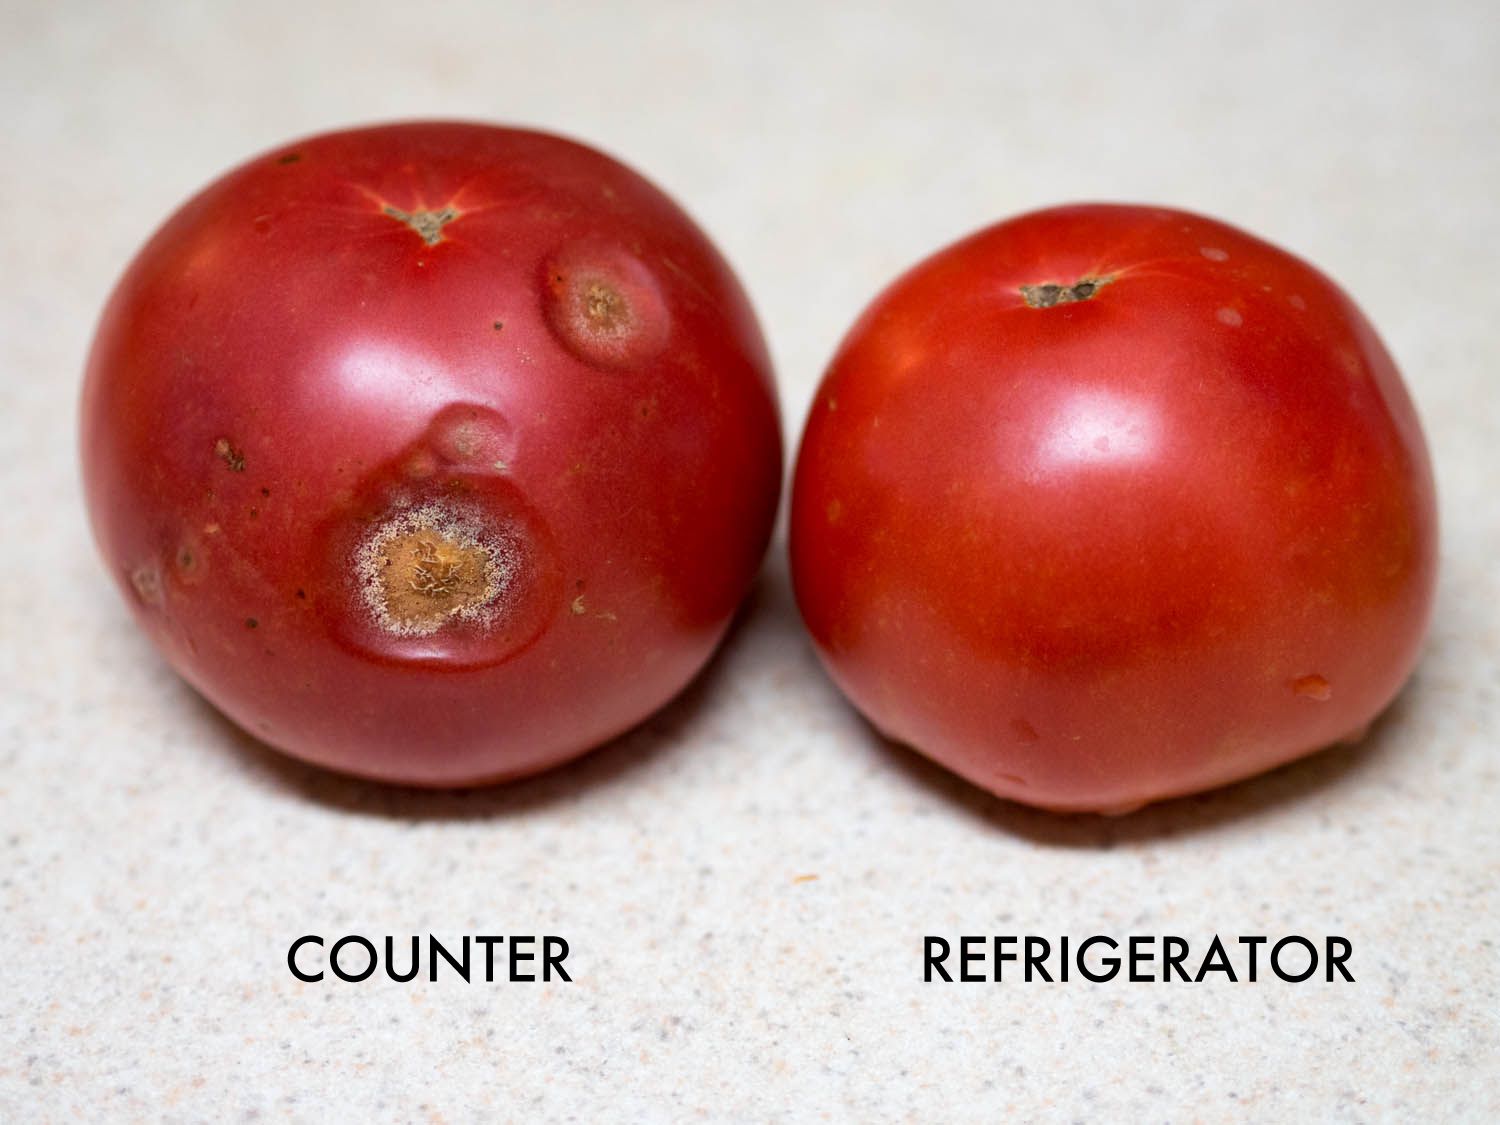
(605, 305)
(429, 566)
(454, 570)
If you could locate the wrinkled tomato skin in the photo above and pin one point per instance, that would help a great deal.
(510, 342)
(1089, 554)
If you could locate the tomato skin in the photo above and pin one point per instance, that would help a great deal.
(1166, 535)
(436, 453)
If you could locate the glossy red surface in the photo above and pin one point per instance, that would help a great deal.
(436, 453)
(1118, 542)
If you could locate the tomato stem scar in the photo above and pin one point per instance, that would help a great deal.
(1045, 296)
(428, 224)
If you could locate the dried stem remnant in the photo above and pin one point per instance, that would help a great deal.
(428, 224)
(1045, 296)
(231, 456)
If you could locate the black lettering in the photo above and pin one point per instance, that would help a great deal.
(291, 958)
(1253, 941)
(1062, 958)
(966, 958)
(333, 958)
(1174, 951)
(1035, 960)
(489, 942)
(1001, 956)
(1137, 955)
(1312, 958)
(1217, 961)
(390, 959)
(516, 956)
(1336, 960)
(1112, 964)
(551, 960)
(932, 961)
(435, 947)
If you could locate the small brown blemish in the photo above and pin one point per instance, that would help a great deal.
(289, 158)
(146, 581)
(302, 594)
(1313, 687)
(498, 325)
(1050, 294)
(606, 309)
(189, 562)
(251, 623)
(265, 492)
(428, 224)
(231, 456)
(1024, 731)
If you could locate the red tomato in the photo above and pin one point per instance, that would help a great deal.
(1106, 504)
(435, 453)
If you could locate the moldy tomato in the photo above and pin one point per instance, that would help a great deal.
(435, 453)
(1106, 504)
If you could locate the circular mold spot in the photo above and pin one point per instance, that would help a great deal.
(429, 566)
(605, 306)
(458, 571)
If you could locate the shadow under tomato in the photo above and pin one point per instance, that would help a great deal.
(1306, 779)
(631, 751)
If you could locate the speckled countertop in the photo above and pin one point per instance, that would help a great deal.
(745, 881)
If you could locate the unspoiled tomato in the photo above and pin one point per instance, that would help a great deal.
(1106, 504)
(436, 453)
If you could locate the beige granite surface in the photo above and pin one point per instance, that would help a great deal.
(746, 880)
